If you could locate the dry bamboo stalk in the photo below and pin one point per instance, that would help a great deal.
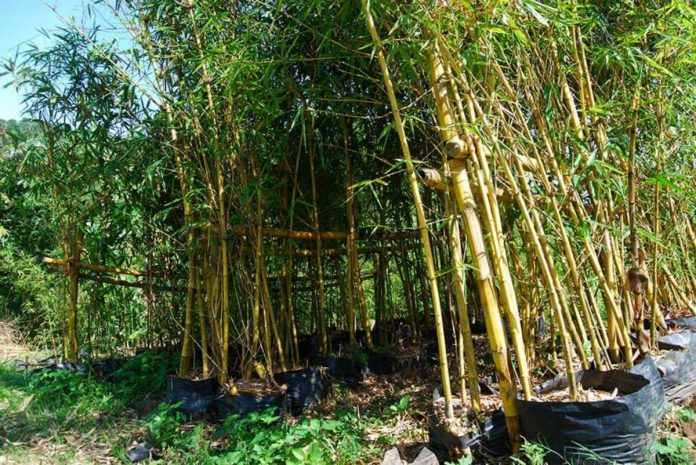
(432, 178)
(681, 298)
(637, 272)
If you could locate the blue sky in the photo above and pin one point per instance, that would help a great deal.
(20, 22)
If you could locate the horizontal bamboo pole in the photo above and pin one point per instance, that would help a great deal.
(325, 235)
(124, 283)
(118, 282)
(334, 252)
(102, 268)
(339, 252)
(363, 276)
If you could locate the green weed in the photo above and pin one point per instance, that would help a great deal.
(261, 438)
(674, 450)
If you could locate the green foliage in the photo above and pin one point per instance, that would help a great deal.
(76, 391)
(685, 415)
(466, 460)
(80, 402)
(163, 424)
(261, 439)
(358, 355)
(143, 374)
(401, 406)
(675, 451)
(673, 448)
(251, 89)
(27, 294)
(534, 452)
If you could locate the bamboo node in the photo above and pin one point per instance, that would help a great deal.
(638, 280)
(455, 148)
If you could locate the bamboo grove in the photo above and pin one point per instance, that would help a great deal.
(313, 167)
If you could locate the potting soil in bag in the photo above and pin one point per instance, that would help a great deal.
(244, 404)
(345, 369)
(490, 442)
(304, 387)
(196, 396)
(685, 323)
(678, 365)
(618, 430)
(380, 363)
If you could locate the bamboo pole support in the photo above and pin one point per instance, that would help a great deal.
(102, 268)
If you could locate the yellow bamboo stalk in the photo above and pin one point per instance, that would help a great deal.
(74, 276)
(350, 241)
(494, 324)
(466, 343)
(268, 308)
(203, 325)
(467, 207)
(509, 299)
(323, 341)
(553, 282)
(420, 213)
(187, 342)
(681, 298)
